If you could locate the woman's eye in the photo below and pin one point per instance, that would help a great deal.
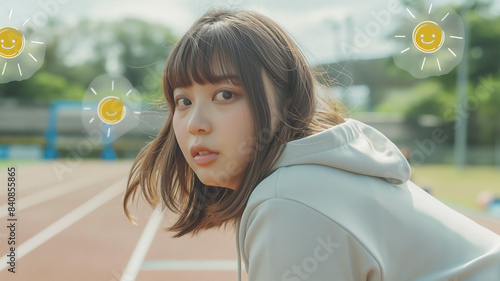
(220, 96)
(183, 102)
(225, 95)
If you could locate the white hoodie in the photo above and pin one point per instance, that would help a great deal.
(339, 206)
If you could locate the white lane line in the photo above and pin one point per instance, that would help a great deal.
(51, 193)
(66, 221)
(190, 265)
(142, 247)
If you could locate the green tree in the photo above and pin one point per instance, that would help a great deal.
(77, 54)
(437, 95)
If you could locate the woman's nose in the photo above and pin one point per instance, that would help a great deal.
(199, 123)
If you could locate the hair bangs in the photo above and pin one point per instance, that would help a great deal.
(205, 56)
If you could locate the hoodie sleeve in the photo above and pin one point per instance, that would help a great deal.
(287, 240)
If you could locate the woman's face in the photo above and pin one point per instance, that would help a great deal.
(218, 118)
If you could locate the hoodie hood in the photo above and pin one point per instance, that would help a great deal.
(351, 146)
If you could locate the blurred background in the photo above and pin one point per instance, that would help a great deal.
(448, 126)
(85, 39)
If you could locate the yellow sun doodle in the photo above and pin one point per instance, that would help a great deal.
(428, 36)
(431, 43)
(111, 110)
(11, 42)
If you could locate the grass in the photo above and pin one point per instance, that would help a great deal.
(462, 187)
(17, 163)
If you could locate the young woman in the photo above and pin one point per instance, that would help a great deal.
(313, 196)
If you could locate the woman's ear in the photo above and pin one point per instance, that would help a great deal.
(288, 102)
(285, 110)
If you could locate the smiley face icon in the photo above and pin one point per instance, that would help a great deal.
(428, 37)
(111, 110)
(11, 42)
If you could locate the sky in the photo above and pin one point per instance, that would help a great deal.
(322, 28)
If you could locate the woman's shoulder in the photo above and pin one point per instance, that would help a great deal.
(303, 181)
(382, 217)
(327, 190)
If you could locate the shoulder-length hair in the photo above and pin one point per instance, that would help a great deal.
(252, 47)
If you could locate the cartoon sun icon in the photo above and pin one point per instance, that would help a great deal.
(428, 37)
(111, 107)
(434, 43)
(21, 50)
(11, 42)
(111, 110)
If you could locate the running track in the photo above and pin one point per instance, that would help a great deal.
(73, 228)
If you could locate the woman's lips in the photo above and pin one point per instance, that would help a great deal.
(205, 159)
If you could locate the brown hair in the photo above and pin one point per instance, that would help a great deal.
(253, 47)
